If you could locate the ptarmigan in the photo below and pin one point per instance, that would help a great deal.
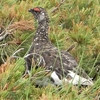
(63, 66)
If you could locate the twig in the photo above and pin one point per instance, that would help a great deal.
(39, 73)
(18, 51)
(3, 44)
(7, 32)
(40, 60)
(14, 54)
(62, 1)
(70, 48)
(2, 35)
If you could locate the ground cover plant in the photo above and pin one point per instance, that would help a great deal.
(73, 24)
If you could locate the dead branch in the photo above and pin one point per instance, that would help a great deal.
(2, 35)
(14, 54)
(47, 71)
(7, 32)
(61, 2)
(3, 44)
(40, 58)
(70, 48)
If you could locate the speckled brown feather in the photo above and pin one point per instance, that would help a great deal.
(46, 54)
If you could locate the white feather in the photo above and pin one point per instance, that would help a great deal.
(76, 79)
(42, 16)
(56, 79)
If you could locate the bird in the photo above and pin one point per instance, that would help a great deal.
(62, 65)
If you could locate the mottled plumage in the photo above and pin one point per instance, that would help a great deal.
(62, 65)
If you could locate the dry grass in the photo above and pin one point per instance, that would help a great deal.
(73, 22)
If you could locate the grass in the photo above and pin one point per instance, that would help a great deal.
(76, 21)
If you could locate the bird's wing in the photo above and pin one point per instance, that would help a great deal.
(64, 65)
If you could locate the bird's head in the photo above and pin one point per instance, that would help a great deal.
(39, 13)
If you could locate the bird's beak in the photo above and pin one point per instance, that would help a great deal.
(30, 10)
